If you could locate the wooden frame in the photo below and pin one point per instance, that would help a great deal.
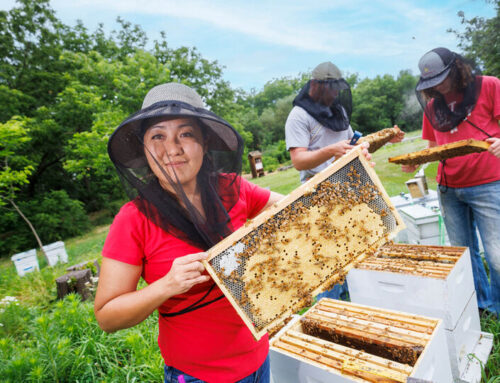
(287, 308)
(441, 152)
(380, 138)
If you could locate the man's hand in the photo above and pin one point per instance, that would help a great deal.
(339, 149)
(399, 136)
(495, 146)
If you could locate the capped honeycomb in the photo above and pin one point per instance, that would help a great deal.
(277, 263)
(441, 152)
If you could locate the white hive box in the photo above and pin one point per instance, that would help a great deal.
(25, 262)
(297, 357)
(420, 221)
(429, 280)
(465, 339)
(56, 252)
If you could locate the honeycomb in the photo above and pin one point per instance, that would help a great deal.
(307, 242)
(441, 152)
(380, 138)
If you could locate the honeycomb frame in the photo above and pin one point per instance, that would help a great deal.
(274, 265)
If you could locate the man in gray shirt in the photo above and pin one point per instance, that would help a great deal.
(317, 129)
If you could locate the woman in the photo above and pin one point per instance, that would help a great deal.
(180, 165)
(458, 105)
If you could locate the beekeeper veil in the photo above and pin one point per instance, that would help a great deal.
(217, 180)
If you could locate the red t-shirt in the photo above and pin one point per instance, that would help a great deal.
(476, 168)
(211, 343)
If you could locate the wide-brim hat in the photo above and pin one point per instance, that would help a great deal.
(125, 147)
(434, 67)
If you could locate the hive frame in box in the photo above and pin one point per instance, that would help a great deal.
(358, 198)
(297, 357)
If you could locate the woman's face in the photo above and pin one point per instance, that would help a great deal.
(177, 146)
(444, 87)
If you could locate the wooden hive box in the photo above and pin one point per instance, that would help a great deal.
(441, 152)
(277, 263)
(434, 281)
(337, 341)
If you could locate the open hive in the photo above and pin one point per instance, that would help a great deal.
(380, 138)
(275, 264)
(342, 341)
(441, 152)
(429, 261)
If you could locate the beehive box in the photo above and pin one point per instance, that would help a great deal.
(56, 252)
(429, 280)
(338, 341)
(275, 264)
(466, 339)
(25, 262)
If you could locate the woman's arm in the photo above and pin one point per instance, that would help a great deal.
(118, 304)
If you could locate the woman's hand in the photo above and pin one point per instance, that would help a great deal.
(185, 273)
(409, 168)
(495, 146)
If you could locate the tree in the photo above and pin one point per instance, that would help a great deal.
(15, 167)
(481, 40)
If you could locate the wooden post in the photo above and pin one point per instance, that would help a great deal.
(74, 281)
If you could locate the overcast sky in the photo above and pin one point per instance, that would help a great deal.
(257, 41)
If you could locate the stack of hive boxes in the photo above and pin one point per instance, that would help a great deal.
(434, 281)
(338, 341)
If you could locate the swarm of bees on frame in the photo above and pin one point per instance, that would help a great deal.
(303, 247)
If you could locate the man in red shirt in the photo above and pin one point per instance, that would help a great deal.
(180, 165)
(458, 105)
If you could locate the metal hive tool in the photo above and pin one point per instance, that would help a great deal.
(304, 244)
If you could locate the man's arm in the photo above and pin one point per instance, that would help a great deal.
(303, 159)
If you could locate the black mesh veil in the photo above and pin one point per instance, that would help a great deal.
(335, 116)
(466, 87)
(218, 179)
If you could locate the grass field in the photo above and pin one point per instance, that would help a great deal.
(45, 340)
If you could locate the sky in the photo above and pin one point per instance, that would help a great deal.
(258, 41)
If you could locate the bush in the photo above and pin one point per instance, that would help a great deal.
(55, 217)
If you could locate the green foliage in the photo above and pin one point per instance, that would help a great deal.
(384, 102)
(65, 344)
(54, 215)
(481, 39)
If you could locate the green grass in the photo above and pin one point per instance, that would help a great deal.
(45, 340)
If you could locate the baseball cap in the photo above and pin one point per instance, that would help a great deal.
(434, 67)
(326, 71)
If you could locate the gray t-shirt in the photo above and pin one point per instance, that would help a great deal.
(304, 131)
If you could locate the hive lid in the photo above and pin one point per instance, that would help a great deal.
(276, 264)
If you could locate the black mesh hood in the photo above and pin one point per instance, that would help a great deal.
(435, 106)
(336, 116)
